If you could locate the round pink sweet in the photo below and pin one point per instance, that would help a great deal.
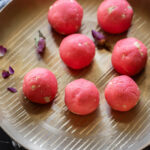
(129, 56)
(65, 16)
(122, 93)
(81, 97)
(77, 51)
(115, 16)
(40, 85)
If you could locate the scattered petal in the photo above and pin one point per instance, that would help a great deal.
(11, 70)
(5, 74)
(11, 89)
(3, 51)
(40, 44)
(99, 37)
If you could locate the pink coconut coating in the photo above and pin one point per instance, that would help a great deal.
(129, 56)
(40, 85)
(65, 16)
(77, 51)
(81, 97)
(114, 16)
(122, 93)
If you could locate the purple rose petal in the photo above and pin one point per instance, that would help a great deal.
(3, 50)
(40, 43)
(11, 89)
(41, 46)
(5, 74)
(11, 70)
(98, 37)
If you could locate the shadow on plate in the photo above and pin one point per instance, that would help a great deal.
(37, 111)
(80, 72)
(140, 76)
(56, 36)
(126, 117)
(79, 121)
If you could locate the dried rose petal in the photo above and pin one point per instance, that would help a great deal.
(3, 50)
(41, 46)
(40, 43)
(5, 74)
(11, 70)
(98, 37)
(11, 89)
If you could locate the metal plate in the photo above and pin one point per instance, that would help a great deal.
(4, 3)
(53, 126)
